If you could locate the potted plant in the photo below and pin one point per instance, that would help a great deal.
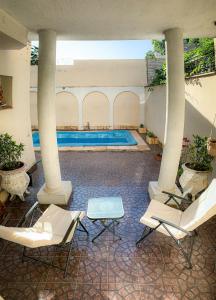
(142, 129)
(151, 138)
(13, 172)
(197, 166)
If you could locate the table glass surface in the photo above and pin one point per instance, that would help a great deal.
(105, 208)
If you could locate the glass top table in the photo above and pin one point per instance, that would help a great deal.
(107, 210)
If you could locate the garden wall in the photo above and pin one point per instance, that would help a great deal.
(101, 93)
(200, 108)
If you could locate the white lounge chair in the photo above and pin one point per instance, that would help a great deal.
(56, 226)
(176, 223)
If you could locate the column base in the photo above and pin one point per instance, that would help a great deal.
(155, 192)
(60, 197)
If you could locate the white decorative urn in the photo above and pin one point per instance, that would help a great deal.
(15, 182)
(193, 181)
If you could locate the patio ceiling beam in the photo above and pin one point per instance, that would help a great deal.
(54, 190)
(175, 115)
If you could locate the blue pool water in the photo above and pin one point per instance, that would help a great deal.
(93, 138)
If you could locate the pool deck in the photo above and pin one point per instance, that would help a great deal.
(141, 146)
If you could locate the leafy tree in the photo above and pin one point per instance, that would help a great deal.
(34, 55)
(160, 76)
(159, 46)
(150, 54)
(199, 57)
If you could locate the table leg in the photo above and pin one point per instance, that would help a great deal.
(99, 234)
(107, 227)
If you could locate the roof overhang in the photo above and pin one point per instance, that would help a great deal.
(114, 19)
(13, 35)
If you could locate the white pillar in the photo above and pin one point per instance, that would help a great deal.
(54, 190)
(215, 50)
(142, 108)
(111, 112)
(80, 112)
(175, 115)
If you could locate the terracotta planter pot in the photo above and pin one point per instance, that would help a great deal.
(152, 140)
(193, 181)
(142, 129)
(211, 147)
(158, 157)
(15, 182)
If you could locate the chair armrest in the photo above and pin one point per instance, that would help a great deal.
(74, 222)
(162, 221)
(26, 216)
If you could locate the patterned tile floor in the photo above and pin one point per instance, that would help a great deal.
(107, 269)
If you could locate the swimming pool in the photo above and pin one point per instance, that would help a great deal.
(93, 138)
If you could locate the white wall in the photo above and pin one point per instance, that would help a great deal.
(67, 113)
(108, 78)
(96, 110)
(80, 94)
(155, 110)
(16, 121)
(99, 73)
(126, 110)
(200, 95)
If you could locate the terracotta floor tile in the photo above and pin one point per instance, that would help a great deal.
(109, 269)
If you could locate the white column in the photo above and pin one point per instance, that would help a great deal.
(142, 108)
(111, 112)
(215, 50)
(175, 115)
(54, 190)
(80, 112)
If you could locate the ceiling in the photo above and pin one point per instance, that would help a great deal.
(114, 19)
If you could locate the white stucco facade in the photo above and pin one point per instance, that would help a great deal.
(80, 93)
(128, 83)
(16, 120)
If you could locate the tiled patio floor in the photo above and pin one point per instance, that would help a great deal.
(107, 269)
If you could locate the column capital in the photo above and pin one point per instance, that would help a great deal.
(44, 30)
(173, 32)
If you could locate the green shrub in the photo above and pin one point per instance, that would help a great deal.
(197, 157)
(10, 152)
(150, 134)
(34, 55)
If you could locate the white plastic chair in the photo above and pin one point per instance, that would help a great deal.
(179, 224)
(56, 226)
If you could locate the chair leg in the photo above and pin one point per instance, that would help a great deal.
(144, 235)
(23, 253)
(191, 245)
(67, 261)
(178, 243)
(186, 255)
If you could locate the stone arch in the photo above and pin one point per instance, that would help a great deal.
(67, 111)
(33, 109)
(96, 110)
(126, 110)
